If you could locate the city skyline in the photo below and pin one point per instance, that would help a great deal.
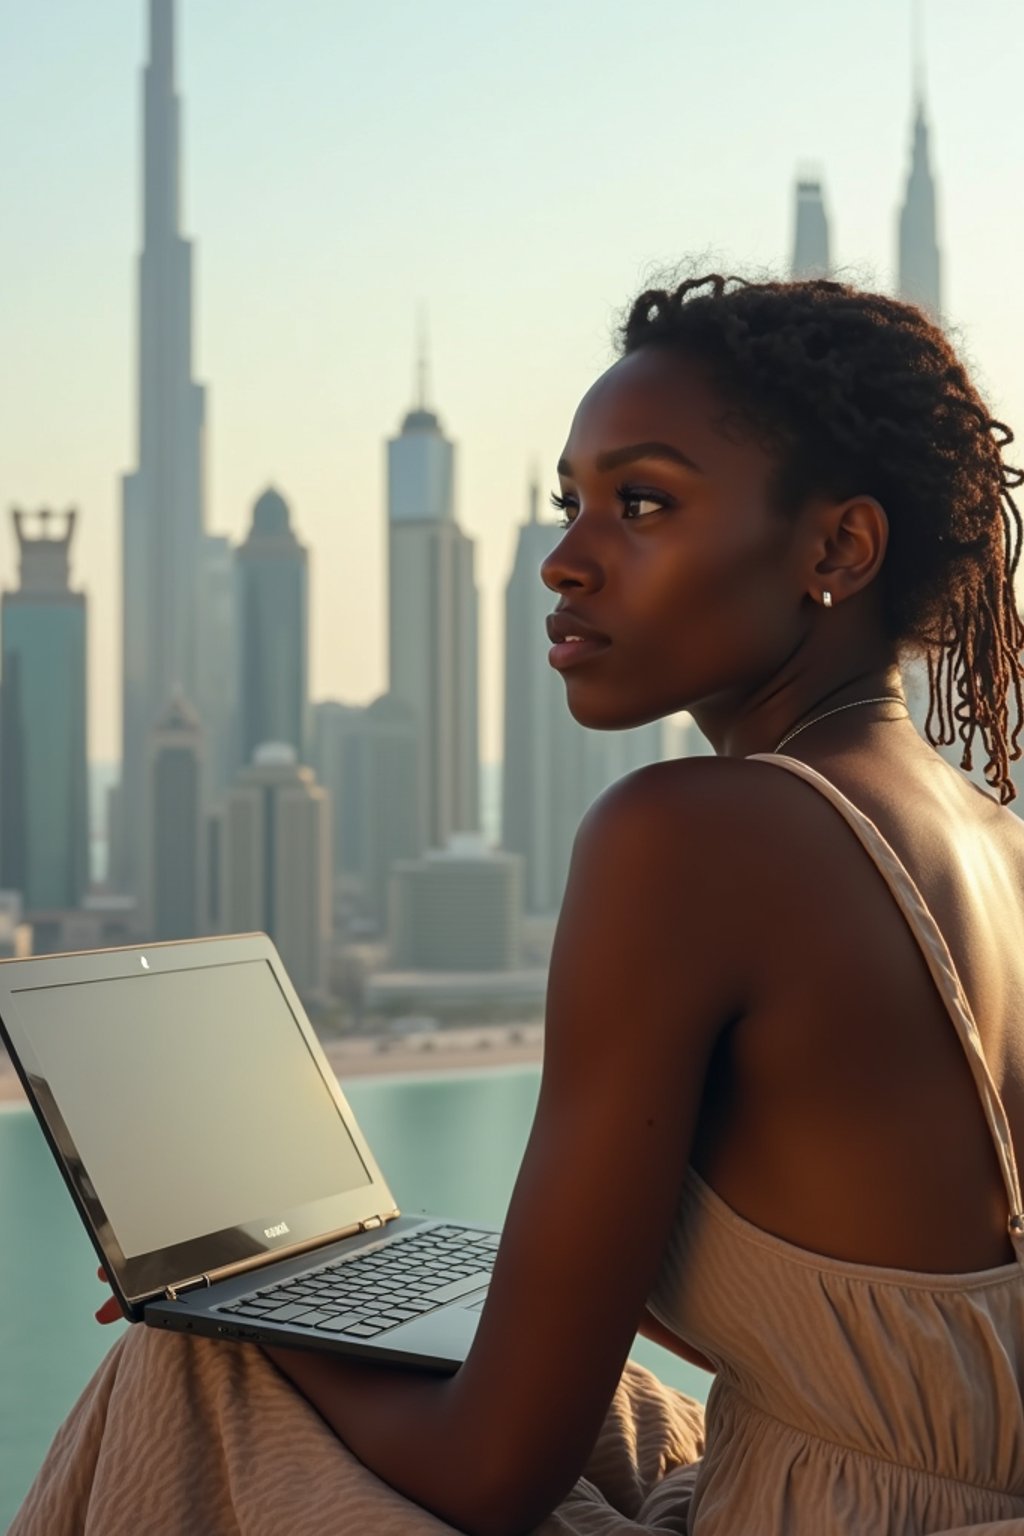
(306, 328)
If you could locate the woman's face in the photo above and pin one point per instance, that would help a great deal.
(672, 551)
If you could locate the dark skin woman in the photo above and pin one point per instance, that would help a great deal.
(775, 493)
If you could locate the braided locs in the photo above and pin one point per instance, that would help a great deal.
(852, 393)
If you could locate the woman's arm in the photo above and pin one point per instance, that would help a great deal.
(643, 976)
(654, 1329)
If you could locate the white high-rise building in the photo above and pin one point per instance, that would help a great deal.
(433, 651)
(811, 246)
(163, 512)
(274, 863)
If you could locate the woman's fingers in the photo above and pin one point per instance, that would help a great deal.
(110, 1312)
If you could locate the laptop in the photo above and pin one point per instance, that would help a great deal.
(217, 1166)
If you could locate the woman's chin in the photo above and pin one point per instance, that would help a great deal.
(606, 714)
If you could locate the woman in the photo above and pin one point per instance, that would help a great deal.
(765, 1109)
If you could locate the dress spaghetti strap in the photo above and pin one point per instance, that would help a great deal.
(940, 964)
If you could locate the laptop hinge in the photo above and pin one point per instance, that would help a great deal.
(243, 1266)
(174, 1291)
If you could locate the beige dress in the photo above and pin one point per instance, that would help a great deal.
(849, 1400)
(852, 1399)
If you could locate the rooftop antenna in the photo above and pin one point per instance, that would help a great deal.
(421, 358)
(917, 48)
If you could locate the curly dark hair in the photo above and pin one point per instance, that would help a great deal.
(853, 393)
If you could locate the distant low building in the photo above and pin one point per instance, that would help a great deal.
(15, 933)
(472, 996)
(102, 922)
(457, 909)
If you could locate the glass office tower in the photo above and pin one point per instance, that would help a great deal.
(44, 819)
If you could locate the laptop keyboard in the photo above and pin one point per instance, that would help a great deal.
(381, 1288)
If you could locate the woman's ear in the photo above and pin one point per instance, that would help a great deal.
(849, 547)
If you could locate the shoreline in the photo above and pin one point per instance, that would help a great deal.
(447, 1051)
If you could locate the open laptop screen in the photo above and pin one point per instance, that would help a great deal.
(192, 1099)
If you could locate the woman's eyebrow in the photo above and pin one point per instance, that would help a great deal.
(614, 457)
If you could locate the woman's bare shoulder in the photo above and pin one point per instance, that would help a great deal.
(718, 803)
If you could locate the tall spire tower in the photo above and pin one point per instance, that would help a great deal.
(163, 497)
(919, 262)
(433, 649)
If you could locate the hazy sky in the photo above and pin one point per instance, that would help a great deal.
(518, 168)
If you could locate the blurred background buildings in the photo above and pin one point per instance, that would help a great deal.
(391, 866)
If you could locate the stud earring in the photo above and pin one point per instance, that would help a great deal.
(826, 598)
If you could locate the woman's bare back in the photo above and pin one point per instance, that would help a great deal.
(840, 1111)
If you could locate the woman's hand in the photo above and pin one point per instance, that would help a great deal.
(110, 1312)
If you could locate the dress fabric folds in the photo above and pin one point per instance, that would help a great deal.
(180, 1436)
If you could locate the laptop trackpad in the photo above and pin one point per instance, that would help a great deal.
(445, 1334)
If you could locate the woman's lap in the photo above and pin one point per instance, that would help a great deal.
(183, 1435)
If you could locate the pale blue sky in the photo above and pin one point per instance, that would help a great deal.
(518, 168)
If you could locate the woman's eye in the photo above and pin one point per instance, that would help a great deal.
(635, 505)
(562, 504)
(640, 506)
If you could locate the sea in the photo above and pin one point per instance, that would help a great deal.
(448, 1145)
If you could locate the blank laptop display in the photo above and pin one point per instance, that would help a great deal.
(215, 1162)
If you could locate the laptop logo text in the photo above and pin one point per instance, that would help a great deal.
(278, 1231)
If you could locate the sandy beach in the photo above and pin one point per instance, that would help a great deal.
(446, 1050)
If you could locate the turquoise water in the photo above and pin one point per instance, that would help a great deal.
(450, 1146)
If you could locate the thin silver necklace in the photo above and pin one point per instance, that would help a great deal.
(882, 698)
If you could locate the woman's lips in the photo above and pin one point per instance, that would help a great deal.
(571, 653)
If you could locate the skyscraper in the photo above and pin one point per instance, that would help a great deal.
(919, 261)
(275, 859)
(163, 497)
(366, 759)
(175, 863)
(811, 253)
(553, 767)
(273, 582)
(433, 652)
(217, 698)
(44, 816)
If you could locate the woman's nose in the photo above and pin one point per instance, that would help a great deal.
(571, 564)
